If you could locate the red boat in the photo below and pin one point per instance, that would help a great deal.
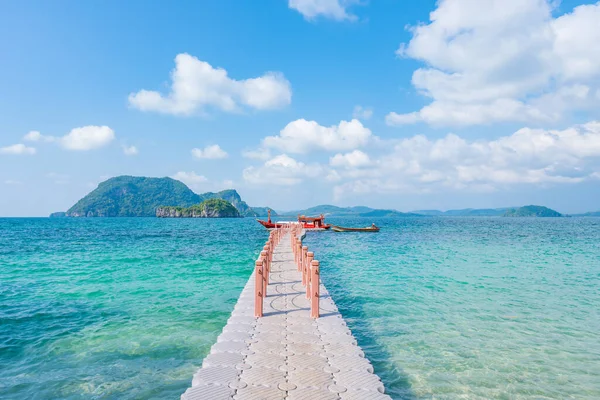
(310, 223)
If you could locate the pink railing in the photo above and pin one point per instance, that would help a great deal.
(262, 268)
(304, 259)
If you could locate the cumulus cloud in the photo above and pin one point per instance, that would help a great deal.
(210, 152)
(529, 156)
(334, 9)
(361, 112)
(353, 159)
(492, 61)
(191, 179)
(402, 119)
(87, 138)
(130, 150)
(281, 170)
(197, 85)
(17, 149)
(35, 136)
(79, 139)
(301, 136)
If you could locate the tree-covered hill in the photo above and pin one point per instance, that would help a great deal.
(532, 211)
(389, 214)
(211, 208)
(131, 196)
(230, 195)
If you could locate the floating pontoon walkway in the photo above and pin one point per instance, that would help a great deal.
(285, 354)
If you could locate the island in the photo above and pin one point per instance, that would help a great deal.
(138, 196)
(211, 208)
(532, 211)
(356, 211)
(588, 214)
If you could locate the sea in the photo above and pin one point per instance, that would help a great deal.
(445, 308)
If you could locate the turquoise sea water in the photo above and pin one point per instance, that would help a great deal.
(445, 308)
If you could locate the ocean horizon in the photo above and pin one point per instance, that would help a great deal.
(448, 308)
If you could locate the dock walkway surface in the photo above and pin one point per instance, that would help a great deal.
(285, 354)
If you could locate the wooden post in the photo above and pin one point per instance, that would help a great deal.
(306, 273)
(294, 248)
(303, 266)
(266, 270)
(271, 250)
(314, 286)
(266, 257)
(299, 251)
(292, 241)
(258, 288)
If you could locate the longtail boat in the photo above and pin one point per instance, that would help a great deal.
(308, 223)
(371, 228)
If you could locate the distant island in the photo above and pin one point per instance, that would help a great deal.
(362, 211)
(588, 214)
(532, 211)
(466, 212)
(358, 211)
(131, 196)
(211, 208)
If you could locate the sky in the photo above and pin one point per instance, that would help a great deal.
(386, 103)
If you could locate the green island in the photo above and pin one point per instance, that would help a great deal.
(211, 208)
(133, 196)
(532, 211)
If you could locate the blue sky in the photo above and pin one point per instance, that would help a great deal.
(396, 104)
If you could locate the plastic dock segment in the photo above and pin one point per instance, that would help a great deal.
(285, 354)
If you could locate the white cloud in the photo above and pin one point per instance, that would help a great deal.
(197, 85)
(257, 154)
(311, 9)
(301, 136)
(79, 139)
(361, 112)
(130, 150)
(17, 149)
(191, 179)
(209, 152)
(529, 156)
(281, 170)
(577, 42)
(35, 136)
(87, 138)
(353, 159)
(12, 182)
(402, 119)
(491, 61)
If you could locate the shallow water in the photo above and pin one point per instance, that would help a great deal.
(444, 308)
(474, 308)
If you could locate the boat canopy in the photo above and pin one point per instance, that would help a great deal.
(304, 218)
